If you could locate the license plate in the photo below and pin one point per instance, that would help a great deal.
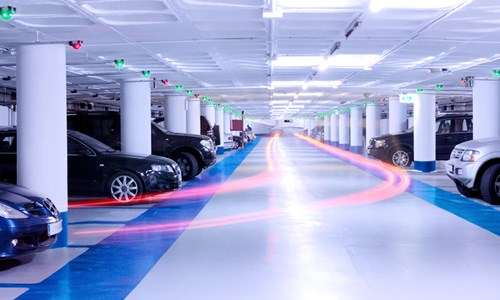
(54, 228)
(450, 168)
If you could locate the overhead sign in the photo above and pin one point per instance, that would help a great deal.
(236, 125)
(407, 98)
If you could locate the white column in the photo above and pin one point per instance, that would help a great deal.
(384, 126)
(193, 116)
(227, 123)
(334, 131)
(486, 108)
(136, 117)
(357, 130)
(344, 131)
(42, 149)
(219, 120)
(397, 115)
(208, 110)
(424, 132)
(372, 121)
(327, 129)
(175, 113)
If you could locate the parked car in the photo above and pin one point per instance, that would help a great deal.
(28, 222)
(192, 152)
(398, 148)
(474, 166)
(95, 169)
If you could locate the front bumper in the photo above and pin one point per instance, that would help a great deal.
(378, 153)
(30, 235)
(209, 158)
(162, 181)
(461, 172)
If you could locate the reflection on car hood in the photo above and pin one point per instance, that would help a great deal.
(189, 135)
(16, 194)
(146, 158)
(478, 143)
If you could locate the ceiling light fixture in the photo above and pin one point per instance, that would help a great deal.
(378, 5)
(119, 63)
(354, 24)
(76, 44)
(7, 12)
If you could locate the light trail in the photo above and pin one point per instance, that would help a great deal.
(396, 182)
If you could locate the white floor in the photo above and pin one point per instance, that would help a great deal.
(270, 242)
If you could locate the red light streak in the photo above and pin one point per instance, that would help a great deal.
(396, 182)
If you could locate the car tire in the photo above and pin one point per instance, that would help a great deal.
(188, 164)
(467, 192)
(124, 186)
(401, 157)
(490, 184)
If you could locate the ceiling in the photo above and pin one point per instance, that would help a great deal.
(228, 51)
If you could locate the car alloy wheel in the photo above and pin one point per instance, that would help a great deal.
(125, 187)
(188, 165)
(401, 158)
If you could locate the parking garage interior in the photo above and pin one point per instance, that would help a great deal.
(273, 121)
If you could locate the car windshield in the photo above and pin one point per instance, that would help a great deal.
(91, 142)
(160, 128)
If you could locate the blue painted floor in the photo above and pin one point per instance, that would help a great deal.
(281, 220)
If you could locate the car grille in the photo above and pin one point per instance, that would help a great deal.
(456, 153)
(38, 209)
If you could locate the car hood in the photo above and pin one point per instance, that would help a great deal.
(16, 194)
(138, 157)
(479, 143)
(188, 135)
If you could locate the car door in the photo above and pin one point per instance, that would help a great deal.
(444, 138)
(462, 130)
(8, 164)
(83, 169)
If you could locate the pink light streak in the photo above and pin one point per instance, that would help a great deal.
(396, 182)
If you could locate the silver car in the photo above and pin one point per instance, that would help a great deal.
(474, 166)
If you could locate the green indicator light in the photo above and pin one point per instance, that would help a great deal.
(119, 63)
(189, 92)
(364, 103)
(146, 73)
(204, 98)
(178, 87)
(7, 12)
(496, 73)
(372, 101)
(439, 87)
(420, 91)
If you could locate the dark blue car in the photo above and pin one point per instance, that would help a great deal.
(28, 222)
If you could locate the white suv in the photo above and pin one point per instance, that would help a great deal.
(474, 166)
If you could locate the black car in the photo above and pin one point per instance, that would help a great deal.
(192, 152)
(398, 148)
(95, 169)
(28, 222)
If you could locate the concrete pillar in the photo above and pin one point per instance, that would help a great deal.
(193, 116)
(227, 123)
(175, 113)
(334, 130)
(356, 130)
(372, 121)
(424, 132)
(344, 131)
(384, 126)
(327, 127)
(42, 149)
(136, 117)
(486, 108)
(397, 115)
(208, 110)
(219, 120)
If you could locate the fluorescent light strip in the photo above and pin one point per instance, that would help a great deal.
(377, 5)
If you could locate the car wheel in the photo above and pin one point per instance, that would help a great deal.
(124, 186)
(188, 164)
(467, 192)
(401, 157)
(490, 185)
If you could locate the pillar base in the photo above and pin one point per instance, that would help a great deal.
(425, 166)
(345, 147)
(328, 142)
(62, 237)
(356, 149)
(220, 150)
(334, 143)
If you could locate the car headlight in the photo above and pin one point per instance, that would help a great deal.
(379, 143)
(11, 213)
(162, 168)
(207, 144)
(470, 155)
